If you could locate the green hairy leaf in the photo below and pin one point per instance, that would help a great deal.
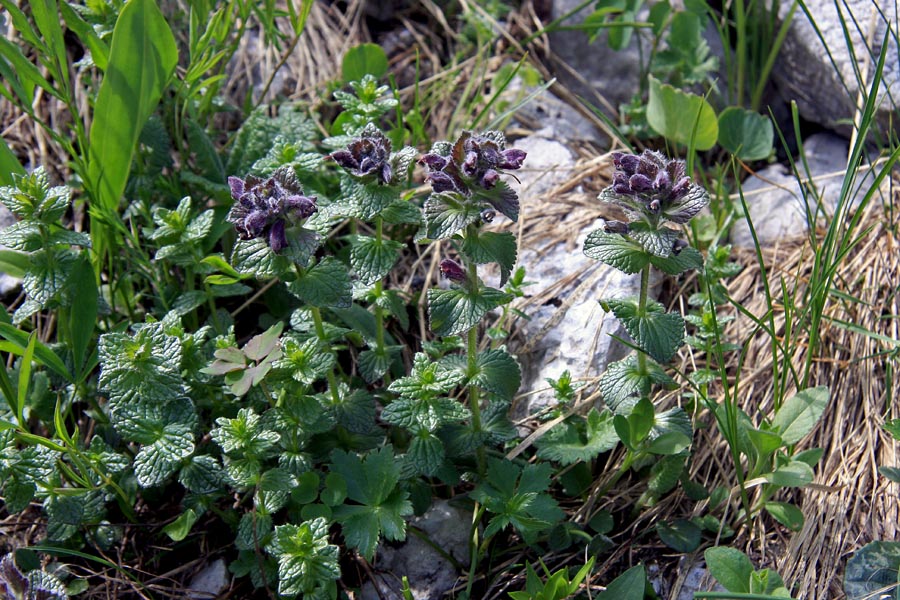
(657, 332)
(457, 310)
(372, 258)
(579, 439)
(381, 504)
(490, 246)
(324, 285)
(307, 563)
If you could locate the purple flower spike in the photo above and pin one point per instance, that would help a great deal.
(453, 271)
(367, 157)
(650, 186)
(264, 208)
(512, 159)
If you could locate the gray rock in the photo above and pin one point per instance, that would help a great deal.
(567, 330)
(775, 201)
(430, 574)
(210, 582)
(603, 76)
(552, 118)
(805, 73)
(8, 283)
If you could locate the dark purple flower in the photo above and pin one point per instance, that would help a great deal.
(615, 227)
(264, 208)
(651, 186)
(453, 271)
(368, 156)
(475, 161)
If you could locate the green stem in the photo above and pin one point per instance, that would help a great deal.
(320, 333)
(642, 311)
(379, 311)
(473, 548)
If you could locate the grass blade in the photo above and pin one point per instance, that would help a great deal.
(142, 58)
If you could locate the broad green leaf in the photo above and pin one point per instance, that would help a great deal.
(9, 164)
(457, 310)
(730, 567)
(657, 332)
(372, 483)
(83, 310)
(490, 246)
(426, 451)
(368, 200)
(142, 58)
(374, 363)
(892, 473)
(672, 442)
(307, 563)
(874, 572)
(157, 461)
(622, 382)
(792, 474)
(202, 475)
(178, 529)
(427, 413)
(364, 59)
(48, 275)
(674, 114)
(498, 372)
(372, 258)
(448, 212)
(746, 134)
(664, 476)
(764, 442)
(675, 264)
(616, 251)
(787, 514)
(680, 535)
(627, 586)
(17, 495)
(324, 285)
(657, 241)
(799, 414)
(567, 443)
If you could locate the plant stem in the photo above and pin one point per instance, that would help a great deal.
(379, 311)
(320, 333)
(642, 312)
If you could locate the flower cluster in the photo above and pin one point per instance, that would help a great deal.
(367, 157)
(474, 161)
(651, 187)
(263, 208)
